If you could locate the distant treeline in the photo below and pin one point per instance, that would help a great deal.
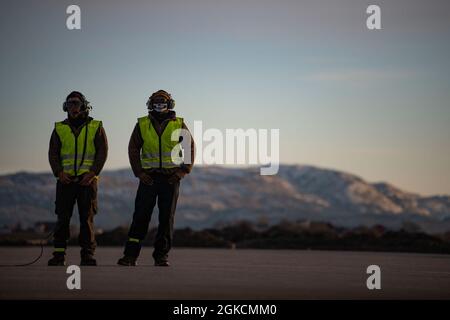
(285, 235)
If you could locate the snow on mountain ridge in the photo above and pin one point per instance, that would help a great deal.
(211, 195)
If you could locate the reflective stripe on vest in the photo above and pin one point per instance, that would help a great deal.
(160, 151)
(72, 148)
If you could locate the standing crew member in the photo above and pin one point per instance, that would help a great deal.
(77, 153)
(151, 151)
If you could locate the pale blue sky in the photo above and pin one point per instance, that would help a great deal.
(373, 103)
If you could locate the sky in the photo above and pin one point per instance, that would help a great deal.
(374, 103)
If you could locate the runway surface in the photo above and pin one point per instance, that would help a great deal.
(229, 274)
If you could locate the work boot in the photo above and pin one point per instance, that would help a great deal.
(127, 261)
(162, 263)
(88, 261)
(59, 259)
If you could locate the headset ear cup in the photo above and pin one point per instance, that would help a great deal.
(87, 105)
(64, 107)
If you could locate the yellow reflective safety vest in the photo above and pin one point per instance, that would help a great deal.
(161, 151)
(72, 147)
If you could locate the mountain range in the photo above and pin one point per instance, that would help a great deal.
(213, 196)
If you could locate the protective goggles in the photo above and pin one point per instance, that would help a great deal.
(73, 104)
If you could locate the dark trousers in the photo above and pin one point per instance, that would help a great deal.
(166, 195)
(86, 199)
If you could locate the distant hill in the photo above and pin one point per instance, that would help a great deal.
(215, 196)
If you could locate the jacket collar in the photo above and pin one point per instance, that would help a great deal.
(171, 115)
(66, 121)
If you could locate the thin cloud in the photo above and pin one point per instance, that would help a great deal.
(361, 75)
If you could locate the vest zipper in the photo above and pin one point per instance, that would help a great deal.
(85, 142)
(160, 152)
(76, 153)
(160, 132)
(76, 147)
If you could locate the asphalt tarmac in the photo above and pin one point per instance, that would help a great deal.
(229, 274)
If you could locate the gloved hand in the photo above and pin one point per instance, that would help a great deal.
(88, 178)
(145, 179)
(177, 176)
(64, 178)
